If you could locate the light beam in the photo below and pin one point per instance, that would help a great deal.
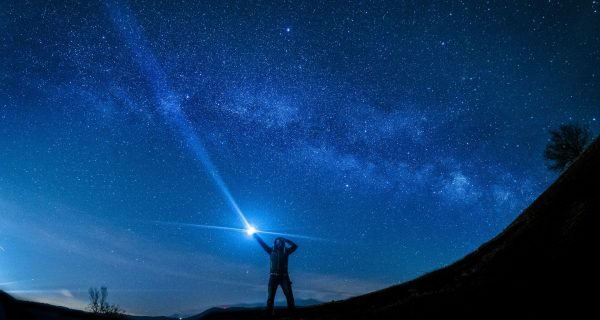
(249, 231)
(168, 102)
(170, 108)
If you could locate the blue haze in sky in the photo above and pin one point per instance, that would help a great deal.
(397, 136)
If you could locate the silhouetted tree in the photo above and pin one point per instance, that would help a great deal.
(99, 304)
(566, 143)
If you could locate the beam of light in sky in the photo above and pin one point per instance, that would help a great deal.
(64, 292)
(204, 226)
(168, 102)
(10, 283)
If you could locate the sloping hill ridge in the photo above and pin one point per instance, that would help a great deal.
(542, 265)
(14, 309)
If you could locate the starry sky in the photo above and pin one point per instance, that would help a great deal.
(388, 138)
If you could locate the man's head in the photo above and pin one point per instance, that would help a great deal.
(279, 243)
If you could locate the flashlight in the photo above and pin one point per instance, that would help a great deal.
(250, 230)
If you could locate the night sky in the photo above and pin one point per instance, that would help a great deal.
(388, 138)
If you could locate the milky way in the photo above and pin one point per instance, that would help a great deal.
(406, 134)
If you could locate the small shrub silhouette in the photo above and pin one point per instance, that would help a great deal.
(100, 306)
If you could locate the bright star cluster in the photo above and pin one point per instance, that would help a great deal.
(398, 136)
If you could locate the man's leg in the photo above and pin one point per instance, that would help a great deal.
(286, 287)
(273, 282)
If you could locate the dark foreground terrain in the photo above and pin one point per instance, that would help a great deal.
(542, 266)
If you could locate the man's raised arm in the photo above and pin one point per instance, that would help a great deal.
(292, 248)
(262, 243)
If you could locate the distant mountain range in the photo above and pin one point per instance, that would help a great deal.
(299, 302)
(247, 306)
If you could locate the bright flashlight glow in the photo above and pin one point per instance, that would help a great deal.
(251, 230)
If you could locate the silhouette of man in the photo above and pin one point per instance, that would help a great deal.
(279, 270)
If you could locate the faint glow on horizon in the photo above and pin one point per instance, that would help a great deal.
(10, 283)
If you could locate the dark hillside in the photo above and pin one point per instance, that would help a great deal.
(542, 265)
(11, 308)
(14, 309)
